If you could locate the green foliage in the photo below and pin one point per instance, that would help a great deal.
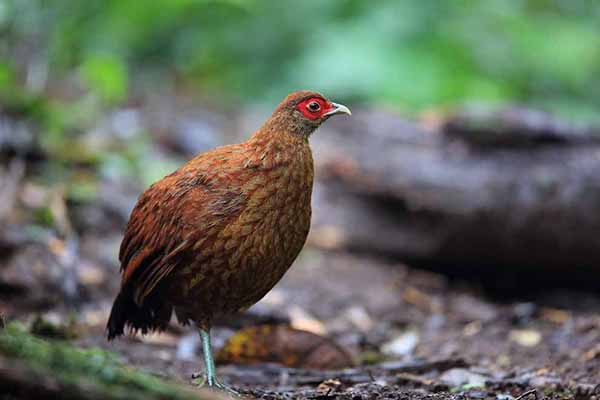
(7, 77)
(106, 75)
(96, 371)
(44, 217)
(414, 53)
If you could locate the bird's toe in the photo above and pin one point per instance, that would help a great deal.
(200, 379)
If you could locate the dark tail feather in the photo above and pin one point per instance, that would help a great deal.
(152, 315)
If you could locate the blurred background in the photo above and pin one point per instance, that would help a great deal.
(456, 213)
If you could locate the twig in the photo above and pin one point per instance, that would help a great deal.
(266, 373)
(527, 393)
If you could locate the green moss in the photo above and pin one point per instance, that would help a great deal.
(93, 372)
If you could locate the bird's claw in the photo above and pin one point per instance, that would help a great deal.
(227, 389)
(200, 379)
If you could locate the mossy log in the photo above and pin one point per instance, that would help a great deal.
(33, 368)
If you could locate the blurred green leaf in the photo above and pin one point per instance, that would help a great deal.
(82, 190)
(414, 54)
(6, 76)
(44, 217)
(105, 75)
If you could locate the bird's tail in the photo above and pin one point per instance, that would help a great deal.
(152, 315)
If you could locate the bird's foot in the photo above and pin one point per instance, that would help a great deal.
(201, 379)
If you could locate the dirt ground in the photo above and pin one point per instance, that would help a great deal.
(410, 333)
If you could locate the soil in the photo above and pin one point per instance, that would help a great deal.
(412, 334)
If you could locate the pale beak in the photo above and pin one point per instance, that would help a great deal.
(338, 109)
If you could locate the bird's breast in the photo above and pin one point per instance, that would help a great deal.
(280, 206)
(276, 222)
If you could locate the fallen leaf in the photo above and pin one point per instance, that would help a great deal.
(329, 386)
(284, 345)
(525, 337)
(413, 378)
(302, 320)
(402, 345)
(554, 315)
(360, 318)
(460, 377)
(472, 328)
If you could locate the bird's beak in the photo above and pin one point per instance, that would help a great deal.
(338, 109)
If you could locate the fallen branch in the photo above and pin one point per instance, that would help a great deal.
(393, 188)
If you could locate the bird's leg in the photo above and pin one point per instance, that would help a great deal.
(209, 362)
(210, 375)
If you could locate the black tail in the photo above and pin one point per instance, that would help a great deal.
(152, 315)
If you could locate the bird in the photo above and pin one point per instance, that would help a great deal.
(215, 236)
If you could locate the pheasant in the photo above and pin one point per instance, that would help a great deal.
(217, 234)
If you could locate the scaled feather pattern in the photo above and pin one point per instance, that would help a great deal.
(216, 235)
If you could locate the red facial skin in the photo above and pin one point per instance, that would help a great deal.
(324, 107)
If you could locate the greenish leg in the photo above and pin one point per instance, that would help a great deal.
(210, 373)
(209, 361)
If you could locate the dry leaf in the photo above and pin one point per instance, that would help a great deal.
(555, 315)
(302, 320)
(525, 337)
(284, 345)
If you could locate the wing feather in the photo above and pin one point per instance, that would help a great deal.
(169, 219)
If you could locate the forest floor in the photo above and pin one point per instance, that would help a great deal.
(399, 332)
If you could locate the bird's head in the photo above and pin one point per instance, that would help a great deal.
(304, 111)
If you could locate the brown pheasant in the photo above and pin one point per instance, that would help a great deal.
(216, 235)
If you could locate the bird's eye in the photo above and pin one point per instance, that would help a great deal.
(313, 106)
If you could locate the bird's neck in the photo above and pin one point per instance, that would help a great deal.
(279, 147)
(283, 124)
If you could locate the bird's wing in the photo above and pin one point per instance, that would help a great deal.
(169, 219)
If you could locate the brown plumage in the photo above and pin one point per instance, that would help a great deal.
(216, 235)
